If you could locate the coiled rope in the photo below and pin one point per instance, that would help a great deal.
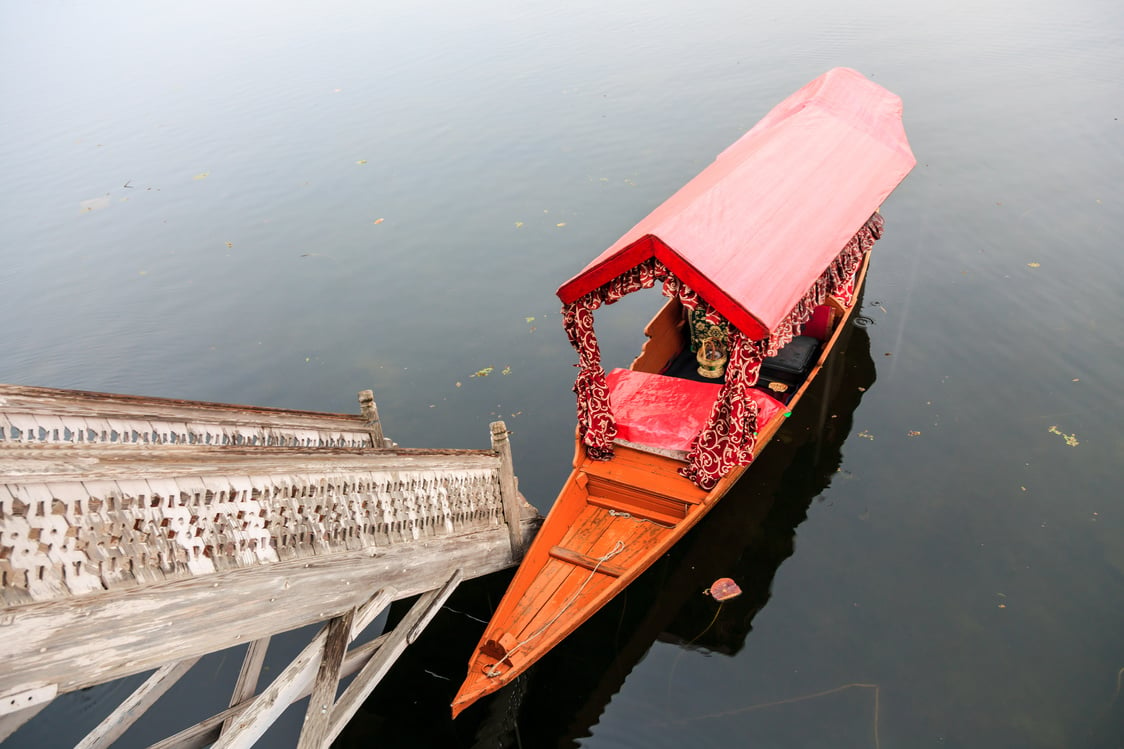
(493, 671)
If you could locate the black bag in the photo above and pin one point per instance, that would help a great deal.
(792, 363)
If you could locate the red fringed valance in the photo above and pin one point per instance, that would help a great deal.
(730, 435)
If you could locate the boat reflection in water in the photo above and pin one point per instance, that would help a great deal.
(746, 537)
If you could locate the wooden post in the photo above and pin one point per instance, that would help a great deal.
(407, 631)
(509, 492)
(247, 684)
(319, 713)
(371, 414)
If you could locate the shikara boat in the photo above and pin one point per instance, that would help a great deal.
(761, 257)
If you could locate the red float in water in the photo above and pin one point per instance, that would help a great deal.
(723, 589)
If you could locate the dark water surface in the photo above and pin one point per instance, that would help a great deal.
(191, 208)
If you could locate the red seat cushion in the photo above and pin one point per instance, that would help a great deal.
(668, 412)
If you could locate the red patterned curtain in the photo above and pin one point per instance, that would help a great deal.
(730, 435)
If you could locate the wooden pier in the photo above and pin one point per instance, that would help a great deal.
(141, 533)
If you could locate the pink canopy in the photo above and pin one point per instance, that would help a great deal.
(754, 230)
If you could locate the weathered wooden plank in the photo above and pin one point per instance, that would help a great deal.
(37, 400)
(80, 642)
(247, 683)
(109, 462)
(509, 493)
(127, 713)
(251, 723)
(109, 520)
(370, 413)
(206, 732)
(319, 713)
(11, 722)
(27, 697)
(407, 631)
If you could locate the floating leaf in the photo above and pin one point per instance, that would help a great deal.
(561, 224)
(518, 224)
(458, 384)
(1070, 439)
(866, 435)
(202, 175)
(506, 371)
(1034, 265)
(529, 319)
(379, 220)
(483, 372)
(361, 162)
(229, 244)
(913, 433)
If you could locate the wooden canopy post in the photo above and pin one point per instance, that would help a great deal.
(509, 489)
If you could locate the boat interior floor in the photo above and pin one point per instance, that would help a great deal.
(685, 366)
(781, 375)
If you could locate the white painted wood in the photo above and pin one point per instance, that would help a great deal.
(205, 732)
(319, 712)
(12, 722)
(509, 494)
(22, 699)
(247, 683)
(127, 713)
(67, 642)
(251, 723)
(407, 631)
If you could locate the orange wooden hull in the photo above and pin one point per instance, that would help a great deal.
(612, 520)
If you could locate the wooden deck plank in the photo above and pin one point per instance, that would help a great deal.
(580, 536)
(579, 583)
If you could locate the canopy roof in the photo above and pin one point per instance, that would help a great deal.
(759, 225)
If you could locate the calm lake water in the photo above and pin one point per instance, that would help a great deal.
(285, 203)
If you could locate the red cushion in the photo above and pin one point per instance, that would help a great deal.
(818, 325)
(668, 412)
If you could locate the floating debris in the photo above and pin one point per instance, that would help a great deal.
(93, 204)
(1070, 439)
(723, 589)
